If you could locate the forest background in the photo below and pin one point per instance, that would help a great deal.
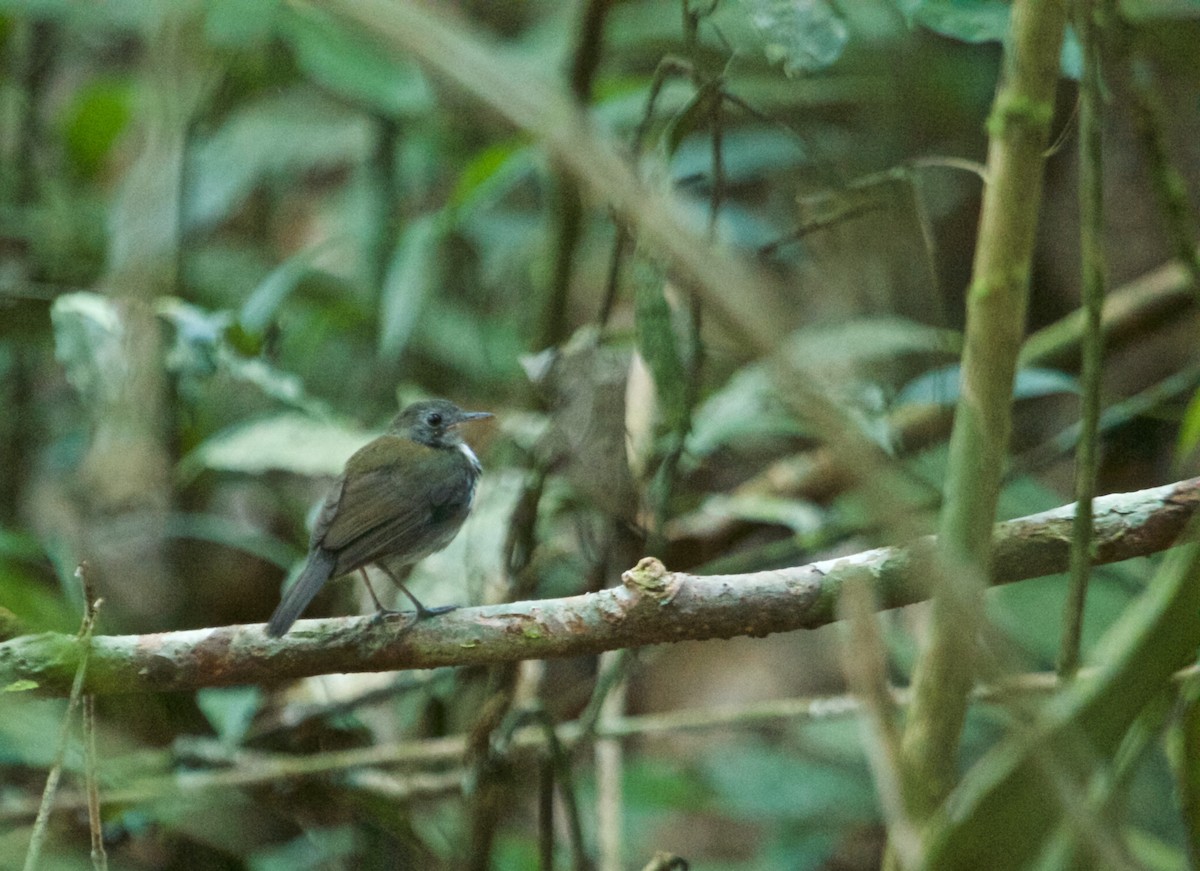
(750, 287)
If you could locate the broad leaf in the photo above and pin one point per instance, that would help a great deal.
(415, 272)
(941, 386)
(802, 36)
(229, 710)
(354, 67)
(289, 442)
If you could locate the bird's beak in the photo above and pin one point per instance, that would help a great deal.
(469, 416)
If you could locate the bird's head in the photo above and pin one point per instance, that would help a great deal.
(434, 422)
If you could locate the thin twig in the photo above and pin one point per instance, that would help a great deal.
(545, 816)
(669, 67)
(567, 209)
(1091, 236)
(83, 640)
(91, 771)
(864, 662)
(244, 768)
(609, 765)
(559, 762)
(95, 821)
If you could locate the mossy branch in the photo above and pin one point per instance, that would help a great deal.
(652, 606)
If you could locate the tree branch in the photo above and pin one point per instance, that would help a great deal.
(653, 606)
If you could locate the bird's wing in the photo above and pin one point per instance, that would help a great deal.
(376, 509)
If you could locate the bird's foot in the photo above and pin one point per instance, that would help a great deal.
(383, 614)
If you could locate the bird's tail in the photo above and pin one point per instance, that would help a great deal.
(316, 572)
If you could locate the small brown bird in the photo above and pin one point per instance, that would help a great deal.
(401, 497)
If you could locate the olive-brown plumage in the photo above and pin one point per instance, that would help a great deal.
(401, 497)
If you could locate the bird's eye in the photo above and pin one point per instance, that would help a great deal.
(434, 419)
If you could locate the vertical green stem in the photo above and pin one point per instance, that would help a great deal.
(567, 203)
(996, 304)
(1091, 236)
(666, 68)
(386, 196)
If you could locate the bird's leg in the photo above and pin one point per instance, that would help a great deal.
(380, 611)
(422, 611)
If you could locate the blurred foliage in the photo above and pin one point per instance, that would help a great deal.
(354, 234)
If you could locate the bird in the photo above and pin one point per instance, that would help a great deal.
(400, 498)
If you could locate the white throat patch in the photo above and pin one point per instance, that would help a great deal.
(470, 455)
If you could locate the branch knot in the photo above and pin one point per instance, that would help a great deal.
(651, 578)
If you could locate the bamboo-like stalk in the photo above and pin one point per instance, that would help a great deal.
(996, 304)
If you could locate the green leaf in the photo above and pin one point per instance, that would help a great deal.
(490, 175)
(229, 710)
(240, 24)
(260, 307)
(20, 686)
(456, 336)
(747, 407)
(274, 382)
(851, 344)
(1029, 613)
(232, 533)
(317, 848)
(197, 336)
(279, 134)
(764, 783)
(802, 518)
(801, 37)
(97, 116)
(973, 21)
(1153, 853)
(1001, 814)
(662, 784)
(941, 386)
(620, 101)
(353, 67)
(1189, 429)
(19, 545)
(695, 116)
(659, 347)
(99, 18)
(938, 387)
(1031, 383)
(287, 442)
(415, 271)
(980, 21)
(27, 602)
(745, 156)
